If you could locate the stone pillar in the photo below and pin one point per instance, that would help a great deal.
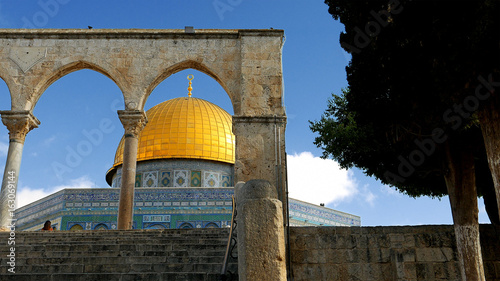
(261, 243)
(19, 123)
(260, 150)
(133, 122)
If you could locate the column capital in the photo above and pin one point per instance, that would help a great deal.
(19, 123)
(133, 121)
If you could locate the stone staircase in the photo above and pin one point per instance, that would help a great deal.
(173, 254)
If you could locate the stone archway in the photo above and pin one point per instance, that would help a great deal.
(247, 63)
(47, 80)
(188, 64)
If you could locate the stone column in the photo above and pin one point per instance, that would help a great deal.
(261, 243)
(19, 123)
(260, 150)
(133, 122)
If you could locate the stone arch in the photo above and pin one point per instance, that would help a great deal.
(76, 227)
(187, 64)
(101, 226)
(246, 63)
(211, 225)
(186, 225)
(69, 68)
(156, 226)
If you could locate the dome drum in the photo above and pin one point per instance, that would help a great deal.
(180, 173)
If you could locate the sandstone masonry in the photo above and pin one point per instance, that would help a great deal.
(386, 253)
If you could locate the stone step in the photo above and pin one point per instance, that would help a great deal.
(192, 254)
(21, 261)
(45, 239)
(156, 232)
(180, 276)
(35, 243)
(107, 253)
(191, 231)
(66, 234)
(114, 247)
(124, 239)
(134, 267)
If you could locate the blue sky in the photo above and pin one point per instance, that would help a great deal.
(73, 108)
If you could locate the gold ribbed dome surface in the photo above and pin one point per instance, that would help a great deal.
(185, 128)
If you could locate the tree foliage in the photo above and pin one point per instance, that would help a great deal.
(421, 99)
(413, 86)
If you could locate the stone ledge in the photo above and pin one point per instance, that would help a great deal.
(136, 33)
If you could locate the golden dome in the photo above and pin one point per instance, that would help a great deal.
(185, 128)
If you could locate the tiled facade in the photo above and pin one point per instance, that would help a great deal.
(159, 207)
(97, 208)
(307, 214)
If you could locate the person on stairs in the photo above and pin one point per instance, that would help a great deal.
(47, 226)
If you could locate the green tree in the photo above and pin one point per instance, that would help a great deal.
(421, 100)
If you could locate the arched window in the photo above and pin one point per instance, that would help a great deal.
(186, 225)
(156, 226)
(76, 227)
(101, 226)
(211, 225)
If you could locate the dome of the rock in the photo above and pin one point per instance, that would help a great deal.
(183, 128)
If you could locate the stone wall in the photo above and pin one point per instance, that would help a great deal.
(385, 253)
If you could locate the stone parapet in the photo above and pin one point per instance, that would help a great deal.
(135, 33)
(385, 253)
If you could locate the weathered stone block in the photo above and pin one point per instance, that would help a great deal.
(424, 271)
(355, 272)
(261, 245)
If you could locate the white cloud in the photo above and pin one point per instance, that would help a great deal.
(49, 141)
(391, 191)
(4, 148)
(26, 195)
(368, 196)
(317, 180)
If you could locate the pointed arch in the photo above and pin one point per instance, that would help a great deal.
(101, 226)
(156, 226)
(72, 67)
(211, 225)
(187, 64)
(185, 225)
(76, 227)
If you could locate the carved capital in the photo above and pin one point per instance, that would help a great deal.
(133, 121)
(19, 123)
